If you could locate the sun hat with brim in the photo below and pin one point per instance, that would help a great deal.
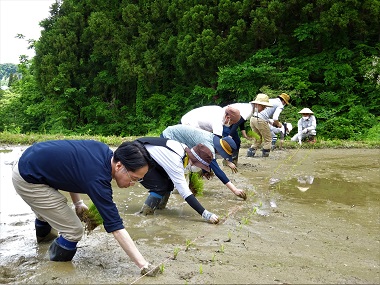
(200, 156)
(285, 97)
(262, 99)
(306, 111)
(234, 114)
(225, 146)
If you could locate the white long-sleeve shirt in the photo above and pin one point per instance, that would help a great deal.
(208, 118)
(172, 163)
(272, 112)
(309, 124)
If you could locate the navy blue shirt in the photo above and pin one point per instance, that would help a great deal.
(80, 166)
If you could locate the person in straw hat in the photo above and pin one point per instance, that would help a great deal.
(173, 160)
(260, 120)
(306, 127)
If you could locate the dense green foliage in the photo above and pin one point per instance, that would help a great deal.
(8, 72)
(132, 67)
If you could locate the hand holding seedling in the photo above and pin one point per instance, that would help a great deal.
(149, 270)
(208, 175)
(240, 193)
(232, 166)
(80, 209)
(208, 216)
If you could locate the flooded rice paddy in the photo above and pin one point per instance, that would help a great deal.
(311, 217)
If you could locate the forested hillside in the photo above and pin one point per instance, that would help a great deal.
(129, 67)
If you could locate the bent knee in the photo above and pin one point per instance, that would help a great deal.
(75, 233)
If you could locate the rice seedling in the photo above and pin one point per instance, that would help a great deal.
(188, 244)
(176, 251)
(91, 218)
(245, 220)
(162, 268)
(196, 183)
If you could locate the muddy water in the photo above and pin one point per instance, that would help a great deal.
(312, 216)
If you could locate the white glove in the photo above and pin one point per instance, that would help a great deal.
(304, 131)
(80, 208)
(149, 270)
(208, 216)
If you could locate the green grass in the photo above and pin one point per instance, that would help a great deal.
(28, 139)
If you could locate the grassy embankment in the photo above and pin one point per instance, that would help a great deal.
(11, 139)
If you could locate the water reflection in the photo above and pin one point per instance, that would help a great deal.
(310, 189)
(305, 182)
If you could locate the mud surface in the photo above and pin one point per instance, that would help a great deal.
(311, 217)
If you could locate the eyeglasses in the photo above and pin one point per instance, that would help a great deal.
(133, 180)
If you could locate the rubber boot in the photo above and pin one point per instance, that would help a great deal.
(266, 152)
(274, 140)
(251, 152)
(44, 232)
(151, 204)
(235, 156)
(59, 252)
(164, 201)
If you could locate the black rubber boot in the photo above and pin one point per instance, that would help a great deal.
(150, 205)
(44, 232)
(266, 152)
(59, 253)
(235, 156)
(251, 152)
(164, 201)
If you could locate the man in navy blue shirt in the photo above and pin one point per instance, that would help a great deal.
(79, 166)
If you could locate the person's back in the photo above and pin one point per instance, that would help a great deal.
(208, 118)
(272, 112)
(190, 136)
(245, 109)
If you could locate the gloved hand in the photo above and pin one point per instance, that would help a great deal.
(149, 270)
(232, 166)
(80, 209)
(304, 131)
(208, 216)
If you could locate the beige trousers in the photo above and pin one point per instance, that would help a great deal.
(261, 127)
(50, 206)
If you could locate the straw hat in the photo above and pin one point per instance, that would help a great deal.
(224, 146)
(262, 99)
(306, 111)
(285, 97)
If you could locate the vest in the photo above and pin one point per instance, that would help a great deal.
(158, 141)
